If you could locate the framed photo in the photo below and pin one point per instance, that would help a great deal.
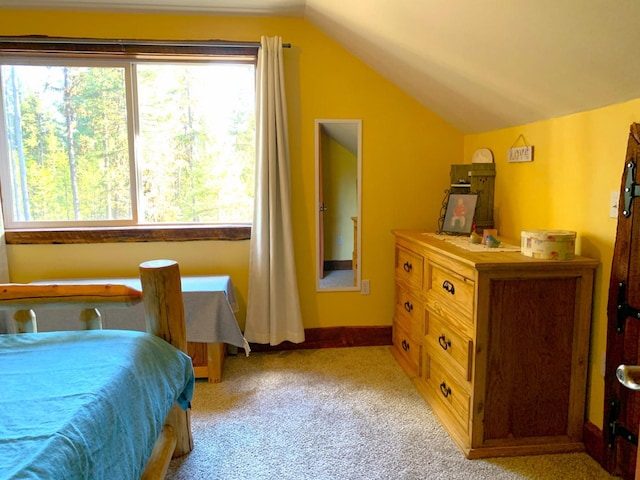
(458, 217)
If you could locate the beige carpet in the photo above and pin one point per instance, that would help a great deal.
(337, 278)
(344, 413)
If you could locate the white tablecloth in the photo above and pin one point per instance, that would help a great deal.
(209, 306)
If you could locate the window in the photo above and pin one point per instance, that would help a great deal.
(88, 142)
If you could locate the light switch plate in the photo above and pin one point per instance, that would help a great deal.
(613, 204)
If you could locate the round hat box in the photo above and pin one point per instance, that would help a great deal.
(548, 244)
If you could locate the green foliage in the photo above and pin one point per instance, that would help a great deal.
(69, 137)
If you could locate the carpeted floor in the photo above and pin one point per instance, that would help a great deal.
(337, 278)
(346, 413)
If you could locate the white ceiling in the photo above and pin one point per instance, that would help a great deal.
(479, 65)
(343, 132)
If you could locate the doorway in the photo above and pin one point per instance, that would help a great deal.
(622, 404)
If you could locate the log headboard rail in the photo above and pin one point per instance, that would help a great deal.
(16, 295)
(89, 298)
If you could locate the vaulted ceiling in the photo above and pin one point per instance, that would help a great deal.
(479, 65)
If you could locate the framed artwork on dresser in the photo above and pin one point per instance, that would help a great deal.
(461, 208)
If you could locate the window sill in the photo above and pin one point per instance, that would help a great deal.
(51, 236)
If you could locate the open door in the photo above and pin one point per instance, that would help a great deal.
(320, 206)
(622, 404)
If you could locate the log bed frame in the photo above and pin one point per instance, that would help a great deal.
(164, 316)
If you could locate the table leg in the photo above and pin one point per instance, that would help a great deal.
(208, 359)
(216, 353)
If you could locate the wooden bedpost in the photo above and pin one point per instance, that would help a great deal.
(25, 321)
(163, 305)
(164, 315)
(91, 319)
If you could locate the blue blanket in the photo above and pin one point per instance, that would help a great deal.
(86, 405)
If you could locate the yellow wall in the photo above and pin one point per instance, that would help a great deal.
(578, 162)
(407, 151)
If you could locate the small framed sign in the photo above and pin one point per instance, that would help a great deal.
(520, 154)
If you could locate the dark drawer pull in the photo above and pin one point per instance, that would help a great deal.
(448, 286)
(446, 391)
(444, 343)
(407, 267)
(407, 306)
(405, 345)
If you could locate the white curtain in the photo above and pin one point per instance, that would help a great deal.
(4, 270)
(4, 263)
(273, 305)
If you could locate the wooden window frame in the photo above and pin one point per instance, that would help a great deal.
(51, 236)
(111, 48)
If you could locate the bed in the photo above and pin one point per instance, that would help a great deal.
(95, 404)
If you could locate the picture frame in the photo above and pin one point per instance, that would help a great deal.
(460, 212)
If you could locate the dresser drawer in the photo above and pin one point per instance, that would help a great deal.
(449, 345)
(410, 311)
(408, 348)
(445, 287)
(409, 268)
(447, 391)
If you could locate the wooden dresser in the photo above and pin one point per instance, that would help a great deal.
(497, 343)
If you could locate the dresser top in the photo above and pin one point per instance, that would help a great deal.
(486, 257)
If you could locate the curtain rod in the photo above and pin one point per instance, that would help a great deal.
(156, 43)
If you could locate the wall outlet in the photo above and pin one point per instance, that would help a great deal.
(365, 287)
(339, 239)
(613, 204)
